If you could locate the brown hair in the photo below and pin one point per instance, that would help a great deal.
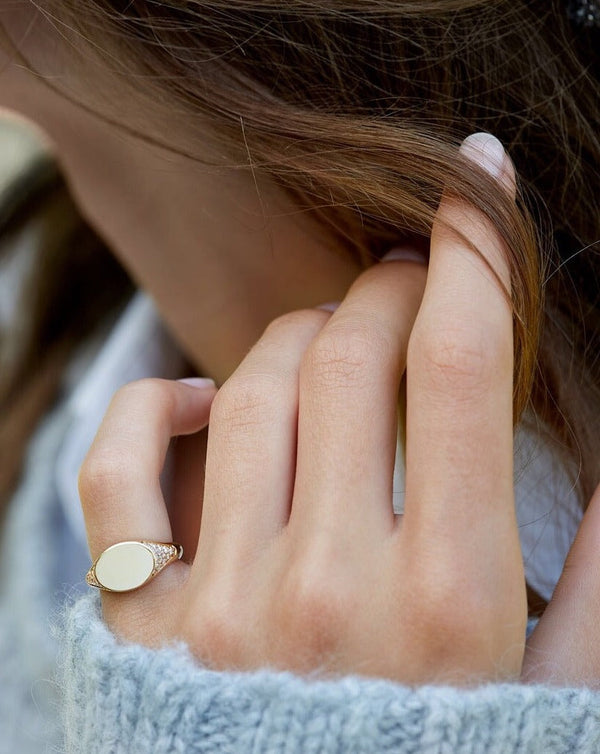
(356, 108)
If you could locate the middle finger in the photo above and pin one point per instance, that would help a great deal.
(348, 391)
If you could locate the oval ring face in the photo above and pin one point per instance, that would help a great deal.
(125, 566)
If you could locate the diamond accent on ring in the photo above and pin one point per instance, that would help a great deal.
(162, 554)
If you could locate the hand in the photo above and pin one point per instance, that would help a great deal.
(300, 562)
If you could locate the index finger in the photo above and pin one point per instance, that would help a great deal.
(460, 376)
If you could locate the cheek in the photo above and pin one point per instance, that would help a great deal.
(99, 164)
(81, 143)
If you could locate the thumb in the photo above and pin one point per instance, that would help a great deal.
(564, 648)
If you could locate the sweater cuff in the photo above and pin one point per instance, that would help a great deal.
(120, 697)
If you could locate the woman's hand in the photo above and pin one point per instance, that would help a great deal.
(300, 562)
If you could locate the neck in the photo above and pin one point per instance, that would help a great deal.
(221, 255)
(230, 270)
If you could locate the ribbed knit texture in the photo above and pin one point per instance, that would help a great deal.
(126, 698)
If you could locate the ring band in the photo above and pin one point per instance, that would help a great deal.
(126, 566)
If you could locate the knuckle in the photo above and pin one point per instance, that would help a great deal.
(298, 319)
(220, 636)
(248, 400)
(449, 616)
(311, 612)
(452, 620)
(101, 472)
(344, 356)
(455, 623)
(148, 391)
(457, 359)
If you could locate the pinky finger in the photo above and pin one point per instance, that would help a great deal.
(119, 480)
(564, 648)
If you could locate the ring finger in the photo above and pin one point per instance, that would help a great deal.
(251, 453)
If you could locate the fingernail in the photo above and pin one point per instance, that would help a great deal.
(486, 151)
(329, 307)
(404, 254)
(202, 382)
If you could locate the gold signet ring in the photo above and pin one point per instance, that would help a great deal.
(126, 566)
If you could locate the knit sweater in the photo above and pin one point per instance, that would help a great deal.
(124, 698)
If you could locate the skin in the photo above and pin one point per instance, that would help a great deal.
(304, 565)
(220, 255)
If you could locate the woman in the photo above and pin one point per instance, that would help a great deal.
(246, 162)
